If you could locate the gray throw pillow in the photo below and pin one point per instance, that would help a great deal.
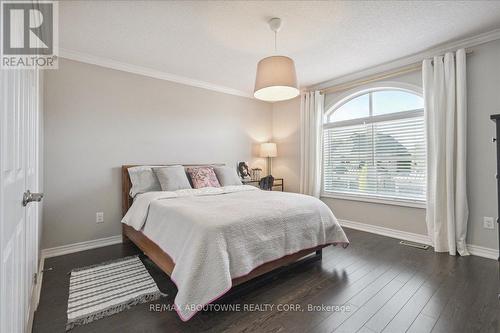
(172, 178)
(143, 180)
(227, 176)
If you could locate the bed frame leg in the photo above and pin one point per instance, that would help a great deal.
(125, 239)
(319, 254)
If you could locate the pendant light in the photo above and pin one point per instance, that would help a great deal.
(276, 79)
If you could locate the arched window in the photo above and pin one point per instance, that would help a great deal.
(374, 146)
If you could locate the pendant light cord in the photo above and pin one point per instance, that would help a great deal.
(275, 42)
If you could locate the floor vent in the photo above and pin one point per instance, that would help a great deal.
(417, 245)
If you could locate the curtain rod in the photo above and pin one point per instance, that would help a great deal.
(376, 77)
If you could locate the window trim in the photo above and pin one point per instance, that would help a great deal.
(350, 95)
(356, 92)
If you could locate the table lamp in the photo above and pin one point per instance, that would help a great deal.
(268, 150)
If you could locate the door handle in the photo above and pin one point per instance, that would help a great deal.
(29, 197)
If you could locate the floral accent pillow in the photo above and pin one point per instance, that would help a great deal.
(203, 177)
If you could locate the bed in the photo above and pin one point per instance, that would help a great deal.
(210, 240)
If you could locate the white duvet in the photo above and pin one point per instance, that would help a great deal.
(217, 234)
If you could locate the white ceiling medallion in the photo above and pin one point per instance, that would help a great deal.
(276, 79)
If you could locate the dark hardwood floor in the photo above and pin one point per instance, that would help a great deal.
(387, 287)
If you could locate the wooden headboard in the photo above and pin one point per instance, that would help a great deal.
(126, 184)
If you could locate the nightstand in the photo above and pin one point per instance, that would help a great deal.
(279, 183)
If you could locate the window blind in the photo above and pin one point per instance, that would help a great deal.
(385, 159)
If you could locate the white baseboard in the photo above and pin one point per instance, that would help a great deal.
(82, 246)
(393, 233)
(475, 250)
(481, 251)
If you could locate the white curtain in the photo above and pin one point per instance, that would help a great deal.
(445, 99)
(311, 126)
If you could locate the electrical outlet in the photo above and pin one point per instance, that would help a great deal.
(488, 222)
(99, 217)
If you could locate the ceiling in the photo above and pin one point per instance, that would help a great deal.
(220, 42)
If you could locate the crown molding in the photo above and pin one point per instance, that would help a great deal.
(145, 71)
(387, 66)
(412, 59)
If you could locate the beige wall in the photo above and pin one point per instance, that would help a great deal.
(286, 124)
(483, 85)
(388, 216)
(97, 119)
(483, 81)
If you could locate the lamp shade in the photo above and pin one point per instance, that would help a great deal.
(268, 149)
(276, 79)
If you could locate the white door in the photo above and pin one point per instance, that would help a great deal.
(19, 166)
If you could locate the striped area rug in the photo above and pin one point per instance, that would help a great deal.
(102, 290)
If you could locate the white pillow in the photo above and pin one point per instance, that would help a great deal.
(143, 180)
(227, 176)
(172, 178)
